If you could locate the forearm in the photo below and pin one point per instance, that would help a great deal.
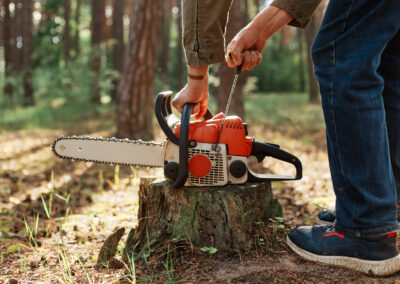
(269, 21)
(203, 30)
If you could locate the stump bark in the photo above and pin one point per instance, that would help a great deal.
(220, 217)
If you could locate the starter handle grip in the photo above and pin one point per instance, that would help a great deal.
(238, 68)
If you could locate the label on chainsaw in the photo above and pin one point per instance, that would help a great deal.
(110, 150)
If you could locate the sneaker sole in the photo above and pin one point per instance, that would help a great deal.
(379, 268)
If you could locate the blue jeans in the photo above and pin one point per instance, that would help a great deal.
(357, 63)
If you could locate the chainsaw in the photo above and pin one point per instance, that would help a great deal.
(214, 151)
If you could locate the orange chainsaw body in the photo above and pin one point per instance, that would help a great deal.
(233, 135)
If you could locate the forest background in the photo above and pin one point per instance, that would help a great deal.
(56, 54)
(80, 67)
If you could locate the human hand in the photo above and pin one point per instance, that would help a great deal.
(245, 49)
(195, 91)
(254, 36)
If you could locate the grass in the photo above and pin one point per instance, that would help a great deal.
(54, 114)
(285, 112)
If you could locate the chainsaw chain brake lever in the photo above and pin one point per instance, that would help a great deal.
(262, 150)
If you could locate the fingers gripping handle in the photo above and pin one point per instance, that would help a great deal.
(238, 68)
(262, 150)
(166, 118)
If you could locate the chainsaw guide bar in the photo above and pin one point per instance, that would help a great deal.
(112, 151)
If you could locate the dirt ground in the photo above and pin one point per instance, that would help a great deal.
(55, 215)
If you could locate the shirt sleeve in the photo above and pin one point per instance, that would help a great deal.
(300, 10)
(204, 23)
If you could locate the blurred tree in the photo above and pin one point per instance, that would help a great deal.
(49, 35)
(226, 75)
(67, 30)
(76, 43)
(286, 36)
(136, 87)
(107, 21)
(8, 88)
(17, 35)
(180, 55)
(98, 11)
(302, 78)
(165, 40)
(118, 40)
(27, 29)
(310, 33)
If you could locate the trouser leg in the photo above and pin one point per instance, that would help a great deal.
(390, 71)
(347, 54)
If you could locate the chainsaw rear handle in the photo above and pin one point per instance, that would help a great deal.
(166, 118)
(261, 150)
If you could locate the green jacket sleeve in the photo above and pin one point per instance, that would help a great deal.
(300, 10)
(204, 23)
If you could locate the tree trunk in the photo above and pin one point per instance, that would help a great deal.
(180, 55)
(221, 217)
(311, 32)
(67, 29)
(27, 29)
(136, 87)
(107, 24)
(95, 61)
(77, 48)
(165, 39)
(226, 74)
(302, 78)
(18, 37)
(118, 38)
(8, 88)
(286, 34)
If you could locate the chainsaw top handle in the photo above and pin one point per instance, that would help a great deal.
(166, 119)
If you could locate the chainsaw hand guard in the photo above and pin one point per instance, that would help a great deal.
(166, 119)
(164, 115)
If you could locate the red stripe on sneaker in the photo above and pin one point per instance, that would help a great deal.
(334, 234)
(391, 235)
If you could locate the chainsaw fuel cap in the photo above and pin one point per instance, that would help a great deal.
(199, 165)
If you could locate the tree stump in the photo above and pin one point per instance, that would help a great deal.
(220, 217)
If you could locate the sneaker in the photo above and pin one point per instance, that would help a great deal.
(327, 217)
(377, 256)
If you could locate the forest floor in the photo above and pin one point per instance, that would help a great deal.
(55, 214)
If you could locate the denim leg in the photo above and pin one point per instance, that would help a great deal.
(347, 53)
(390, 71)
